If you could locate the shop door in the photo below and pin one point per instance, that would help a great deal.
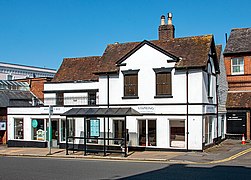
(147, 132)
(55, 136)
(119, 127)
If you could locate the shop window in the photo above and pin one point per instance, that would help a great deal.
(208, 130)
(38, 129)
(18, 129)
(62, 130)
(237, 65)
(130, 83)
(163, 82)
(71, 128)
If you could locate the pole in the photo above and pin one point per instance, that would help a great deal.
(49, 140)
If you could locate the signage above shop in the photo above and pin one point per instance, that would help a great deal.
(146, 109)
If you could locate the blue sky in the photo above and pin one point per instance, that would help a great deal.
(43, 32)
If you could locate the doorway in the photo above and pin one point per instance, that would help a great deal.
(147, 132)
(118, 127)
(177, 133)
(55, 135)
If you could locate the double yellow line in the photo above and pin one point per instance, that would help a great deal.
(224, 160)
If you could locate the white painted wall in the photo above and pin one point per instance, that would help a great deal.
(145, 59)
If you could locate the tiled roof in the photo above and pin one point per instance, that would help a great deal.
(239, 100)
(193, 52)
(218, 51)
(78, 69)
(239, 41)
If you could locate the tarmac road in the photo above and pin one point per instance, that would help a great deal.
(25, 168)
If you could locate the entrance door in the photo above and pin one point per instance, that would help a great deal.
(55, 135)
(147, 132)
(119, 126)
(177, 133)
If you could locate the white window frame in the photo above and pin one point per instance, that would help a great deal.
(238, 64)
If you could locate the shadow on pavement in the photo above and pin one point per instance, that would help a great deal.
(178, 171)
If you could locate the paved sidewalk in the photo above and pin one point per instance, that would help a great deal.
(225, 151)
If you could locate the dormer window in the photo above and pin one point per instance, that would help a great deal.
(163, 82)
(237, 65)
(130, 84)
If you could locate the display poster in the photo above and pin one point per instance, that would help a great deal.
(95, 127)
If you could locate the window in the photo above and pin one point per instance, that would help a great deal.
(130, 83)
(163, 82)
(9, 77)
(38, 129)
(60, 99)
(62, 129)
(237, 65)
(209, 80)
(18, 129)
(92, 98)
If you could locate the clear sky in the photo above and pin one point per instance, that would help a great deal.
(43, 32)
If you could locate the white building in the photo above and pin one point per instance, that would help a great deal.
(171, 82)
(10, 71)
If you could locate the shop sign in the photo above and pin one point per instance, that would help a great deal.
(95, 127)
(236, 116)
(2, 126)
(34, 123)
(146, 109)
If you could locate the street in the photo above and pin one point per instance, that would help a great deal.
(53, 168)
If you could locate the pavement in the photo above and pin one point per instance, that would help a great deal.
(226, 151)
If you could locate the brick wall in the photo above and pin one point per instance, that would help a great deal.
(239, 82)
(37, 86)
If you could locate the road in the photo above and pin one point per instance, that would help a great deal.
(20, 168)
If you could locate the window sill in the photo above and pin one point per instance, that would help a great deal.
(163, 96)
(130, 97)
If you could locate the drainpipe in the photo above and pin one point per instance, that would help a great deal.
(108, 104)
(217, 110)
(187, 103)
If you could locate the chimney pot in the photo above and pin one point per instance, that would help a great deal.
(166, 31)
(170, 16)
(162, 20)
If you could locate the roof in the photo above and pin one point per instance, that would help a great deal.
(101, 112)
(239, 100)
(218, 51)
(15, 98)
(193, 51)
(77, 69)
(239, 41)
(189, 52)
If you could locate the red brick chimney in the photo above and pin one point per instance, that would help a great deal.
(166, 31)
